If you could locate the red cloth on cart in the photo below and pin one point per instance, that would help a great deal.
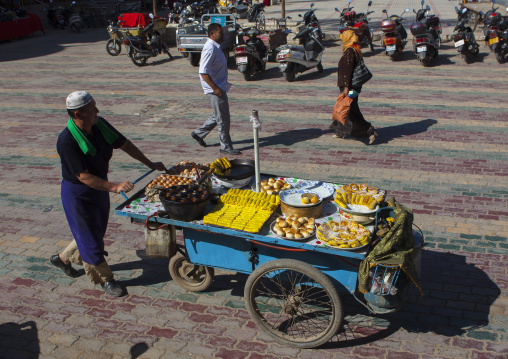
(136, 19)
(266, 2)
(20, 27)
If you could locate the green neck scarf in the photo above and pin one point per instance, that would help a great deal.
(84, 144)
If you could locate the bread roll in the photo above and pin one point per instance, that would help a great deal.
(290, 235)
(301, 220)
(276, 185)
(286, 229)
(311, 221)
(296, 224)
(281, 233)
(267, 187)
(264, 183)
(270, 191)
(277, 228)
(271, 180)
(283, 224)
(287, 185)
(305, 233)
(298, 236)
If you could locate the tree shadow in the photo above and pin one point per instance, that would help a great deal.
(138, 349)
(286, 138)
(20, 341)
(54, 41)
(387, 134)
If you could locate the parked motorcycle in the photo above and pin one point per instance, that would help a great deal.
(426, 32)
(309, 18)
(498, 38)
(351, 20)
(254, 11)
(251, 56)
(147, 44)
(294, 59)
(464, 41)
(114, 44)
(72, 18)
(394, 37)
(55, 18)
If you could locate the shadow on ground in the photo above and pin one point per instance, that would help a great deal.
(20, 341)
(387, 134)
(286, 138)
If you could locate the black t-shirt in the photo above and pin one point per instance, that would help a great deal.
(75, 161)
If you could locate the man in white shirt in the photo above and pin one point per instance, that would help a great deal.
(213, 71)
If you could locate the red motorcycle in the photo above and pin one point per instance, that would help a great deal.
(351, 20)
(394, 37)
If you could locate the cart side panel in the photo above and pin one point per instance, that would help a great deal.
(217, 250)
(237, 254)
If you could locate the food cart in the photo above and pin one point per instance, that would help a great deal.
(293, 289)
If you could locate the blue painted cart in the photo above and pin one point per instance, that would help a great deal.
(292, 291)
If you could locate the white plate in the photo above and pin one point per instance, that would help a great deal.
(459, 43)
(292, 239)
(391, 48)
(358, 209)
(421, 49)
(324, 189)
(293, 197)
(241, 60)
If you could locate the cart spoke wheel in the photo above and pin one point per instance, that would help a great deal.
(294, 303)
(194, 278)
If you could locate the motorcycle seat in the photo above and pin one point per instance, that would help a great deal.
(297, 48)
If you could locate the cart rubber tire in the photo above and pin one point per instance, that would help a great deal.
(294, 317)
(194, 58)
(138, 61)
(198, 281)
(113, 48)
(319, 67)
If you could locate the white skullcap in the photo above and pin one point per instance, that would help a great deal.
(78, 99)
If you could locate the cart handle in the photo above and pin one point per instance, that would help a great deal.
(297, 250)
(153, 229)
(136, 181)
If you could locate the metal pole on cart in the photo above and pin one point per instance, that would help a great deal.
(256, 125)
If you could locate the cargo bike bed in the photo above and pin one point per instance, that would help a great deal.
(292, 289)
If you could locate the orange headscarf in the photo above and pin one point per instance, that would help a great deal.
(350, 39)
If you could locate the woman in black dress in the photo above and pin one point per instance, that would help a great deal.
(356, 125)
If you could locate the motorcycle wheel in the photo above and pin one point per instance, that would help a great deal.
(113, 47)
(194, 58)
(75, 28)
(467, 58)
(289, 76)
(502, 56)
(165, 49)
(246, 75)
(371, 46)
(137, 60)
(319, 67)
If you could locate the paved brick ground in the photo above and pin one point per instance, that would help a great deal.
(442, 151)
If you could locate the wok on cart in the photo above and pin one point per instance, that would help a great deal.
(294, 287)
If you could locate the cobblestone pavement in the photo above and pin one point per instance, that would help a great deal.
(442, 151)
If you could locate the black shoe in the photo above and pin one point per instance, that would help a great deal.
(113, 288)
(199, 139)
(67, 268)
(333, 126)
(231, 151)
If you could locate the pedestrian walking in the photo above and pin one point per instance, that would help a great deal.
(213, 72)
(85, 147)
(355, 125)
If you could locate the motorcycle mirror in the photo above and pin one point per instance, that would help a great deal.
(73, 3)
(493, 1)
(300, 15)
(407, 10)
(423, 2)
(287, 32)
(369, 4)
(481, 13)
(311, 4)
(337, 9)
(384, 11)
(151, 16)
(464, 10)
(349, 1)
(427, 7)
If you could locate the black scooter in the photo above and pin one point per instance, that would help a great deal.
(309, 18)
(147, 44)
(464, 41)
(251, 56)
(427, 35)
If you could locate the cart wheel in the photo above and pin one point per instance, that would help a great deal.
(294, 303)
(192, 277)
(194, 58)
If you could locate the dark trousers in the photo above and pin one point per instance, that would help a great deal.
(356, 125)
